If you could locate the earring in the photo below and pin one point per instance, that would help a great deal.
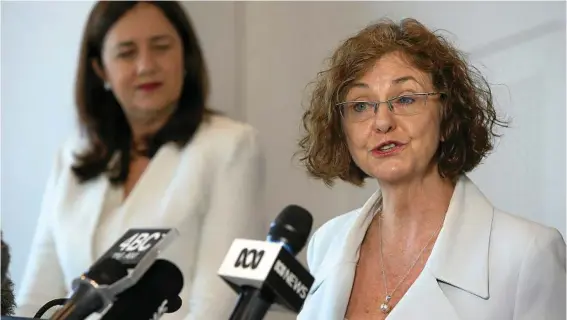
(107, 86)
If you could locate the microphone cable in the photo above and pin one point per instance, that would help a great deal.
(49, 305)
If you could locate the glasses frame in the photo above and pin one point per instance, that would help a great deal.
(376, 104)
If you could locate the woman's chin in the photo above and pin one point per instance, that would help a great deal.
(149, 109)
(392, 175)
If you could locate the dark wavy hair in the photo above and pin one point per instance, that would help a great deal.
(469, 118)
(100, 116)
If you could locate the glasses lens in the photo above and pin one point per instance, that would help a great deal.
(357, 111)
(409, 104)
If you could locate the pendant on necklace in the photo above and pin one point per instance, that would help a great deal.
(385, 307)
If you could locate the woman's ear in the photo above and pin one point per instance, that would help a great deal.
(98, 69)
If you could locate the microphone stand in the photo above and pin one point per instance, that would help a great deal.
(253, 304)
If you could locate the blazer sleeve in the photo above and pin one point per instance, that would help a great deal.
(234, 212)
(541, 287)
(311, 252)
(43, 277)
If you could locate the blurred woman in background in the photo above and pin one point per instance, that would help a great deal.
(150, 155)
(399, 104)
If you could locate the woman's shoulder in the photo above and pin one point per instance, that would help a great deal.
(523, 233)
(221, 136)
(338, 224)
(221, 127)
(533, 255)
(510, 233)
(524, 247)
(325, 237)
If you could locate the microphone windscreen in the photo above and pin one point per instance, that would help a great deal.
(162, 282)
(292, 227)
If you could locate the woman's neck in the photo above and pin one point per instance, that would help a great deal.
(139, 134)
(416, 204)
(144, 123)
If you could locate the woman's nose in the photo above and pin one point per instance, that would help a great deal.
(383, 118)
(146, 62)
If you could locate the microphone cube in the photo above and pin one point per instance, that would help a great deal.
(267, 266)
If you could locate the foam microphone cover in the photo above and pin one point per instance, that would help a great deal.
(162, 281)
(292, 227)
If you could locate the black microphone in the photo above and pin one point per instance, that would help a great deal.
(120, 268)
(156, 293)
(265, 273)
(87, 298)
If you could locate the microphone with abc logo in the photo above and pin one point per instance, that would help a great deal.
(128, 281)
(264, 273)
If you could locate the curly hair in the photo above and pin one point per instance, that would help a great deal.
(468, 116)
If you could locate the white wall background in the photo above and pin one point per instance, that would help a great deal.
(39, 50)
(261, 56)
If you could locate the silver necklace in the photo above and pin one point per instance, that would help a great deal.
(385, 306)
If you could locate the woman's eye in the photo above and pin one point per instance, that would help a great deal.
(360, 106)
(405, 100)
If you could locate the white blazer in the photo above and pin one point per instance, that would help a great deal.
(485, 265)
(210, 191)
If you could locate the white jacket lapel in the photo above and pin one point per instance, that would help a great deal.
(424, 300)
(460, 255)
(335, 275)
(81, 207)
(329, 296)
(145, 203)
(459, 258)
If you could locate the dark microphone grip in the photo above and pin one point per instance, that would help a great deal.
(86, 297)
(85, 301)
(252, 304)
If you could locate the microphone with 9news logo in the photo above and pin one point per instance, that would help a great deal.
(128, 281)
(266, 272)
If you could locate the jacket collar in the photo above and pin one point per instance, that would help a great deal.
(460, 255)
(459, 258)
(83, 203)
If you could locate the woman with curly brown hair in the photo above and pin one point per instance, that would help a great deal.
(400, 104)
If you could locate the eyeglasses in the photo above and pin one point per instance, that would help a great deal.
(404, 105)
